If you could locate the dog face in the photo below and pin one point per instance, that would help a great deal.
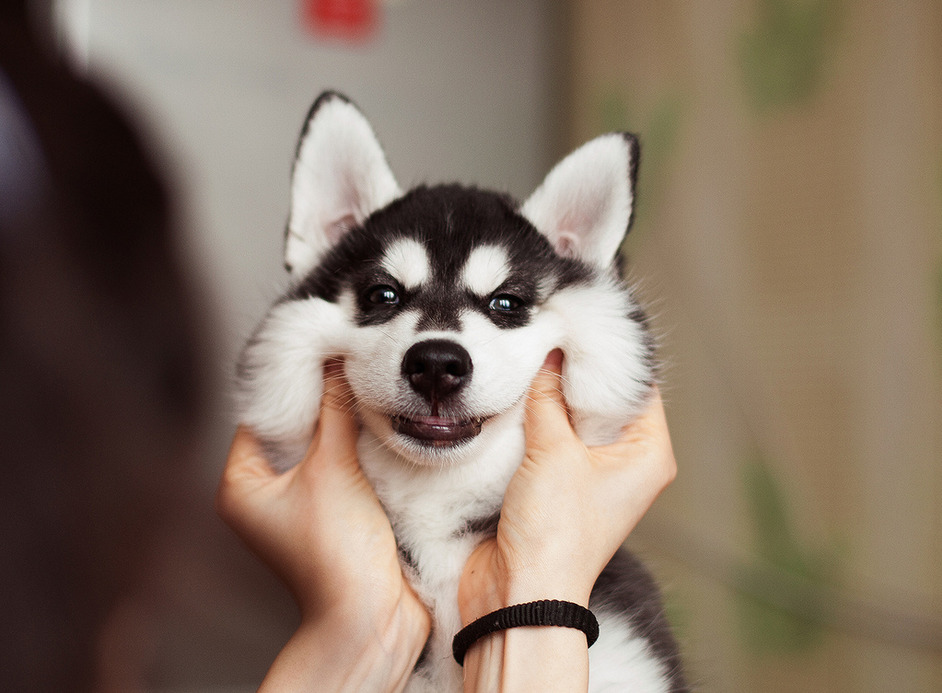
(445, 290)
(444, 301)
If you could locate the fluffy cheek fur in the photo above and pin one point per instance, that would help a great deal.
(281, 373)
(606, 372)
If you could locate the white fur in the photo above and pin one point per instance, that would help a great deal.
(426, 505)
(604, 373)
(281, 382)
(372, 367)
(485, 270)
(585, 203)
(428, 497)
(340, 178)
(407, 261)
(619, 661)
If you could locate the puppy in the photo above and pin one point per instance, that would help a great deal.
(443, 302)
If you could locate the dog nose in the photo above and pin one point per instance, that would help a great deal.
(436, 368)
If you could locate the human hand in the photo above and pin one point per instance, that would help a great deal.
(568, 507)
(320, 527)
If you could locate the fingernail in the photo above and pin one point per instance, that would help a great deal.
(333, 368)
(554, 361)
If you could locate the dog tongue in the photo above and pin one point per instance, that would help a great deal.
(437, 430)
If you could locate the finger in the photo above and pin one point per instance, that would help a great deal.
(648, 429)
(547, 418)
(337, 393)
(337, 428)
(246, 459)
(336, 414)
(646, 443)
(245, 465)
(547, 385)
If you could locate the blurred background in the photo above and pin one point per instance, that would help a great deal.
(788, 242)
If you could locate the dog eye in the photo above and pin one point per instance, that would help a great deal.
(383, 295)
(505, 303)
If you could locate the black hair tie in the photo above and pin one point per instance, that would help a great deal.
(546, 612)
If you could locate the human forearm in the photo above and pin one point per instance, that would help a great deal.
(525, 659)
(327, 656)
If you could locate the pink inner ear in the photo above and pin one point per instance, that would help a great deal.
(335, 230)
(567, 243)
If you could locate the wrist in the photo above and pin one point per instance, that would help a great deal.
(536, 614)
(547, 658)
(520, 585)
(403, 627)
(565, 584)
(334, 653)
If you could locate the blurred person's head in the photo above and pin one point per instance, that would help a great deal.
(99, 386)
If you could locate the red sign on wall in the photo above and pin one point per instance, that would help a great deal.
(349, 19)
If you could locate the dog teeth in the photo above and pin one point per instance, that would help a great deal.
(437, 430)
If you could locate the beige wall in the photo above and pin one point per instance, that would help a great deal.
(792, 252)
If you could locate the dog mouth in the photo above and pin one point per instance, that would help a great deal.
(437, 431)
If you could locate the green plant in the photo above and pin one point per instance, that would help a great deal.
(776, 609)
(658, 129)
(782, 57)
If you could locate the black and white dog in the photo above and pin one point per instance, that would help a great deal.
(443, 302)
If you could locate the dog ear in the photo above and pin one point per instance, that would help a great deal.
(585, 204)
(340, 177)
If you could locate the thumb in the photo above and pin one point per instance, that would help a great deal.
(337, 427)
(547, 417)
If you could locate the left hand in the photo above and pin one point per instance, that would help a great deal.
(568, 507)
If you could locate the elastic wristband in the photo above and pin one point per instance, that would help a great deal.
(546, 612)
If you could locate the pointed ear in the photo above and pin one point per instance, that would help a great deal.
(340, 177)
(585, 204)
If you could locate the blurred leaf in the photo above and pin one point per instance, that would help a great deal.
(772, 613)
(658, 130)
(769, 512)
(783, 56)
(938, 298)
(613, 113)
(664, 124)
(938, 279)
(768, 629)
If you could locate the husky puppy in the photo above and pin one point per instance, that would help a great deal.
(443, 302)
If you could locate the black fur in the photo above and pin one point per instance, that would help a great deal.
(634, 148)
(486, 525)
(406, 557)
(626, 587)
(451, 221)
(641, 317)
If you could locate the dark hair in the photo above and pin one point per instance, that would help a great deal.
(99, 363)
